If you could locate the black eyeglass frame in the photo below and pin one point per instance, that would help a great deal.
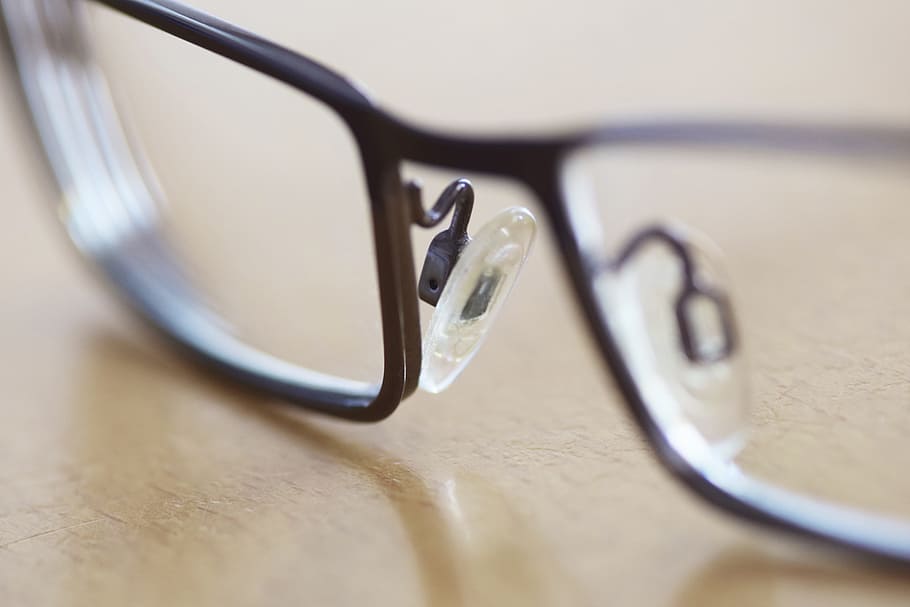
(385, 142)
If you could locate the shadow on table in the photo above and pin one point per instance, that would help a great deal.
(752, 575)
(470, 545)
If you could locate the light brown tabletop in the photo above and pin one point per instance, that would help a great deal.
(132, 476)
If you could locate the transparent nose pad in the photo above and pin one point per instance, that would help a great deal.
(672, 315)
(477, 287)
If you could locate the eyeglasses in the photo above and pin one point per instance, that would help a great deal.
(655, 222)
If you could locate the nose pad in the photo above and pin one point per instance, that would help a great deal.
(671, 313)
(474, 292)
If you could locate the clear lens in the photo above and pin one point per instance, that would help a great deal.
(812, 254)
(265, 197)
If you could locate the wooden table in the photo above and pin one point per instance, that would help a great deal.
(131, 476)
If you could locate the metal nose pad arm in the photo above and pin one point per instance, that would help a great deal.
(446, 246)
(694, 292)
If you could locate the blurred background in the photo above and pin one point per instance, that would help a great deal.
(131, 476)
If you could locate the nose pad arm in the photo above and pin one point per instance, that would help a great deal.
(446, 247)
(698, 348)
(442, 254)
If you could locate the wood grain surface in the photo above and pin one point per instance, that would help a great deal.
(130, 476)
